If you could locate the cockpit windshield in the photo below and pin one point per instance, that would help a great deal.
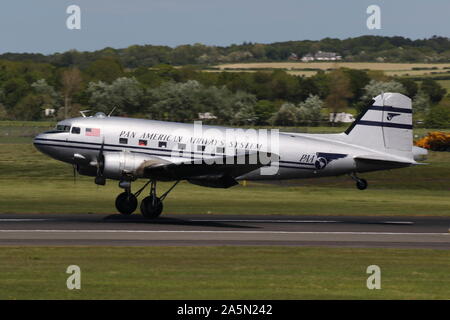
(59, 129)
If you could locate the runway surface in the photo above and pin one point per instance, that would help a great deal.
(194, 230)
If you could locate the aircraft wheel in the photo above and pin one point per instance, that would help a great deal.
(126, 203)
(151, 210)
(361, 184)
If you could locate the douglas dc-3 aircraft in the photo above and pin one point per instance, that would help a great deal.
(126, 149)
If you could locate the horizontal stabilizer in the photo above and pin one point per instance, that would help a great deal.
(385, 158)
(375, 162)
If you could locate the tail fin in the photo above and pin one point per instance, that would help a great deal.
(385, 125)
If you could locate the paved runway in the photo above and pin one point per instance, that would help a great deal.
(194, 230)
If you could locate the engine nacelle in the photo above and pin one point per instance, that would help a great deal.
(126, 165)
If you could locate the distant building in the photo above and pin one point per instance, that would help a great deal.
(49, 112)
(206, 116)
(293, 56)
(308, 57)
(342, 117)
(321, 56)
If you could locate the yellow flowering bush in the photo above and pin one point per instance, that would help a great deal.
(436, 141)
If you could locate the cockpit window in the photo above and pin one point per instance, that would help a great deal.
(64, 128)
(76, 130)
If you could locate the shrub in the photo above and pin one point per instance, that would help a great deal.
(436, 141)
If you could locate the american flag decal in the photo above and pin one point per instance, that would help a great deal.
(93, 132)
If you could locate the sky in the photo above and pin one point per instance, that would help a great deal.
(40, 26)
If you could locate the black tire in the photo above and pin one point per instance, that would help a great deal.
(148, 210)
(361, 184)
(126, 203)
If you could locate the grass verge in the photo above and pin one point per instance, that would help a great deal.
(223, 273)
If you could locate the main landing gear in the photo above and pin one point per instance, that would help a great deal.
(361, 184)
(151, 206)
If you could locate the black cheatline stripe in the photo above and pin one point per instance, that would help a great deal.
(392, 109)
(299, 163)
(98, 149)
(301, 168)
(152, 154)
(130, 147)
(384, 124)
(118, 146)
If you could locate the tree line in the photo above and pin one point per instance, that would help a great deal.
(172, 93)
(363, 48)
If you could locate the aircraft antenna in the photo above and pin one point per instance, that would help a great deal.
(109, 114)
(83, 113)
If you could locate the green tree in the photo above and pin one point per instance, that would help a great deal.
(71, 82)
(339, 92)
(105, 69)
(31, 107)
(421, 103)
(410, 86)
(286, 115)
(433, 89)
(375, 88)
(264, 110)
(438, 117)
(41, 87)
(13, 90)
(125, 94)
(309, 111)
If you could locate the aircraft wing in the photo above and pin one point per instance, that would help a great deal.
(219, 171)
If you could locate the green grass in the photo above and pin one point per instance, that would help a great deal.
(223, 273)
(31, 183)
(42, 124)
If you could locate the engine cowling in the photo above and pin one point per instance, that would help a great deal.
(122, 165)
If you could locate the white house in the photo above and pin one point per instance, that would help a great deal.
(49, 112)
(342, 117)
(321, 56)
(206, 116)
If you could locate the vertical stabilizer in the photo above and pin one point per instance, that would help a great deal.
(385, 125)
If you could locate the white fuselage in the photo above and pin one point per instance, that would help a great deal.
(300, 155)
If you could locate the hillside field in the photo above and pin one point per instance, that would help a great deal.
(310, 68)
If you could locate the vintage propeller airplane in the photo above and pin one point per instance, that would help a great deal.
(127, 149)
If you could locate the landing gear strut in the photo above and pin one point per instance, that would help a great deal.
(361, 184)
(151, 206)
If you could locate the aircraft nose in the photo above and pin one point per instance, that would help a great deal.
(37, 142)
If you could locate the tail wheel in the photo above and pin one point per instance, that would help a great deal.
(151, 209)
(126, 203)
(361, 184)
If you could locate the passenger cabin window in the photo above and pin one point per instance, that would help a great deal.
(76, 130)
(123, 140)
(142, 142)
(162, 144)
(200, 148)
(182, 146)
(220, 150)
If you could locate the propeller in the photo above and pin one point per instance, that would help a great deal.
(100, 179)
(75, 167)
